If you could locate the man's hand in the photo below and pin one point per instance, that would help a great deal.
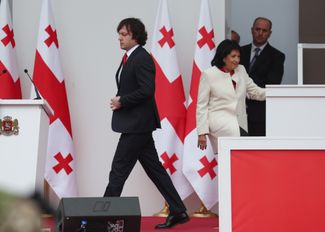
(115, 103)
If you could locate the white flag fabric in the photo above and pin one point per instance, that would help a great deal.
(60, 165)
(200, 167)
(170, 100)
(9, 77)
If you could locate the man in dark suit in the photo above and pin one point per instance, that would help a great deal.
(264, 64)
(135, 115)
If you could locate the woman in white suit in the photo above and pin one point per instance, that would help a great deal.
(223, 88)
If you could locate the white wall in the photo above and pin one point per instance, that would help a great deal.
(284, 15)
(90, 55)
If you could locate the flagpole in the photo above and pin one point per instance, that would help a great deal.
(46, 197)
(46, 191)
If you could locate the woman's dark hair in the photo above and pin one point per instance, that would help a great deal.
(136, 27)
(223, 50)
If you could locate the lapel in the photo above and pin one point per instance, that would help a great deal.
(237, 81)
(126, 67)
(226, 80)
(235, 77)
(116, 76)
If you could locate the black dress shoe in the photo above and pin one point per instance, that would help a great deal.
(173, 220)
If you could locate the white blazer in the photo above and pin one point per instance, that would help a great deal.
(221, 109)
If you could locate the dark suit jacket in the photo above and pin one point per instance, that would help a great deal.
(136, 89)
(268, 69)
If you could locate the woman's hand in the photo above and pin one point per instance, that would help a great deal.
(202, 142)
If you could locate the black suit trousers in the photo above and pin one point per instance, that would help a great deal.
(140, 146)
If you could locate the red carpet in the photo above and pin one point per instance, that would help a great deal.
(194, 225)
(148, 225)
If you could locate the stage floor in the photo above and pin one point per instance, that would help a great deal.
(148, 225)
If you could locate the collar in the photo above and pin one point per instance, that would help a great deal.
(261, 48)
(225, 71)
(128, 53)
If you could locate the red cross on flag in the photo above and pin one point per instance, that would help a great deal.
(170, 99)
(9, 77)
(60, 166)
(200, 167)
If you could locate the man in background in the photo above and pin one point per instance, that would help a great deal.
(235, 36)
(264, 64)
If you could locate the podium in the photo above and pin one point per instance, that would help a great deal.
(295, 110)
(23, 151)
(271, 184)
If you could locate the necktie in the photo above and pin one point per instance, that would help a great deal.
(251, 64)
(125, 57)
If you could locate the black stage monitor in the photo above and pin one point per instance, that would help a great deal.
(99, 214)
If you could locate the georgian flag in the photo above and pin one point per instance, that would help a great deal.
(9, 77)
(170, 100)
(60, 166)
(200, 167)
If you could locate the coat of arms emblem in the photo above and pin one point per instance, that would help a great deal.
(8, 126)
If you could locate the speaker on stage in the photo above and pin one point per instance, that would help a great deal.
(99, 214)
